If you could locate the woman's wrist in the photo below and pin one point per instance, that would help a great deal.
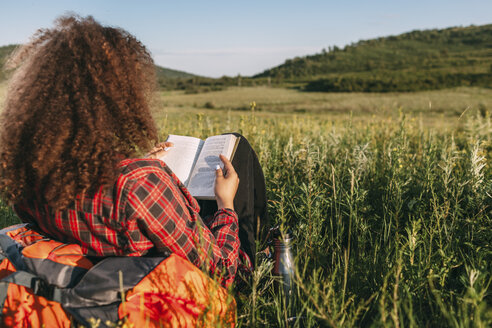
(229, 205)
(226, 209)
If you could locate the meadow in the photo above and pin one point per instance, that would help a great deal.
(388, 196)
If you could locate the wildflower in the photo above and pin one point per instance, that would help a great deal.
(252, 105)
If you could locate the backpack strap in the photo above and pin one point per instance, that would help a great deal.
(24, 278)
(21, 278)
(4, 287)
(31, 281)
(10, 249)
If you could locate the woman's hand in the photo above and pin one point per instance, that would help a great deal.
(159, 150)
(226, 183)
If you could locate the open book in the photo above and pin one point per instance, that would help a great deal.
(194, 161)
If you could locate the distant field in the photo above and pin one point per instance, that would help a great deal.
(432, 105)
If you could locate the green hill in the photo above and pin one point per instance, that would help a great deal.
(168, 73)
(161, 72)
(418, 60)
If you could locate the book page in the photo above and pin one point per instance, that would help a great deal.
(202, 179)
(182, 156)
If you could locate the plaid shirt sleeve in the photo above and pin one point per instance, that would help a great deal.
(162, 211)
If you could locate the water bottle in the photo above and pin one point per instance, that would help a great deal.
(284, 265)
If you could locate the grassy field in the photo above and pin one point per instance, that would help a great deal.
(282, 100)
(432, 106)
(389, 197)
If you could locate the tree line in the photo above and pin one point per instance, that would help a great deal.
(399, 82)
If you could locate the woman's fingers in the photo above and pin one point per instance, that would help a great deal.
(227, 165)
(168, 144)
(218, 172)
(163, 146)
(160, 150)
(226, 184)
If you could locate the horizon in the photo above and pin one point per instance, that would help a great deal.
(220, 38)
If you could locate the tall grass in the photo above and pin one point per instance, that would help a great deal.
(392, 221)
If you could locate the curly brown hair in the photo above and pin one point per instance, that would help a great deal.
(77, 104)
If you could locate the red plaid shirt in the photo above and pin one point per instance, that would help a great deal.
(147, 207)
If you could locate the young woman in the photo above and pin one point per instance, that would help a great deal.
(77, 113)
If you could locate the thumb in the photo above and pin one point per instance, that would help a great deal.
(218, 172)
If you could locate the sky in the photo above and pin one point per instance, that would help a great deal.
(216, 38)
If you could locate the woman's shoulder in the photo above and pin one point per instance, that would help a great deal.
(136, 168)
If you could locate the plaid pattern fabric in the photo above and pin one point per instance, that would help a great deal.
(147, 207)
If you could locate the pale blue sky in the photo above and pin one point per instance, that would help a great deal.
(214, 38)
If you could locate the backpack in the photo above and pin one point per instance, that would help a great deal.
(45, 283)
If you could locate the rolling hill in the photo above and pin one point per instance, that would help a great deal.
(168, 73)
(417, 60)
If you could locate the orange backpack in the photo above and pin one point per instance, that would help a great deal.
(45, 283)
